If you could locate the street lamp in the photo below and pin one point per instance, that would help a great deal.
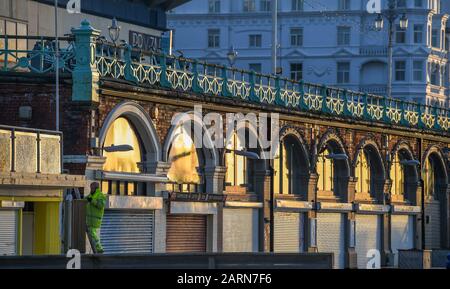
(232, 55)
(114, 31)
(391, 15)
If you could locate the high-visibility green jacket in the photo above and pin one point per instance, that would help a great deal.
(95, 209)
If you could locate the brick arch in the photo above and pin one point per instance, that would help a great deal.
(405, 146)
(143, 124)
(332, 137)
(291, 131)
(437, 152)
(208, 149)
(369, 142)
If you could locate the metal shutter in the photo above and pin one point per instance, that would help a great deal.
(288, 232)
(331, 236)
(433, 226)
(8, 232)
(368, 237)
(127, 231)
(402, 234)
(186, 234)
(240, 230)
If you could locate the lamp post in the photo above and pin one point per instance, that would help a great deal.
(232, 55)
(391, 14)
(114, 31)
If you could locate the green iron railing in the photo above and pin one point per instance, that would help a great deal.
(149, 68)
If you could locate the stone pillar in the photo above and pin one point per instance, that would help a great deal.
(262, 186)
(418, 218)
(350, 225)
(214, 178)
(311, 220)
(387, 257)
(93, 164)
(155, 168)
(85, 75)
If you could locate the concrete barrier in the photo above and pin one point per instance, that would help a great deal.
(177, 261)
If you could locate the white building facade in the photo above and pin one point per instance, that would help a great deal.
(333, 42)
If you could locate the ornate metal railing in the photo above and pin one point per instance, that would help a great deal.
(40, 59)
(147, 68)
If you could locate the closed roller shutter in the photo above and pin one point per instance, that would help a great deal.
(432, 225)
(8, 232)
(402, 234)
(368, 237)
(186, 234)
(127, 231)
(330, 236)
(288, 232)
(240, 230)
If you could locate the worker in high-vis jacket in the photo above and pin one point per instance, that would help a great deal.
(94, 215)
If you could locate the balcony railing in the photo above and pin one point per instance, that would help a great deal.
(30, 151)
(373, 50)
(150, 68)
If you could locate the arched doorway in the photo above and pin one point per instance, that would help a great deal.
(435, 186)
(290, 182)
(333, 172)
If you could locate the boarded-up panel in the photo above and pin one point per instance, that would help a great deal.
(26, 152)
(368, 237)
(289, 232)
(432, 225)
(402, 234)
(186, 233)
(8, 232)
(330, 236)
(240, 230)
(127, 231)
(50, 154)
(5, 151)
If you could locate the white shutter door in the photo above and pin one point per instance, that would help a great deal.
(8, 232)
(402, 234)
(288, 232)
(330, 236)
(240, 230)
(368, 237)
(125, 231)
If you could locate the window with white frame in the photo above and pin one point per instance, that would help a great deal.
(213, 38)
(297, 5)
(265, 5)
(400, 35)
(296, 71)
(400, 70)
(344, 5)
(13, 28)
(214, 6)
(343, 35)
(255, 40)
(297, 36)
(418, 70)
(418, 33)
(343, 72)
(249, 6)
(435, 38)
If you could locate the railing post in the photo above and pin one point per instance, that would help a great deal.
(403, 120)
(420, 123)
(5, 61)
(225, 89)
(85, 74)
(437, 126)
(302, 101)
(366, 107)
(163, 78)
(346, 111)
(129, 75)
(385, 108)
(252, 96)
(325, 108)
(278, 100)
(195, 81)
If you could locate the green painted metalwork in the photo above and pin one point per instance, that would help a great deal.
(88, 58)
